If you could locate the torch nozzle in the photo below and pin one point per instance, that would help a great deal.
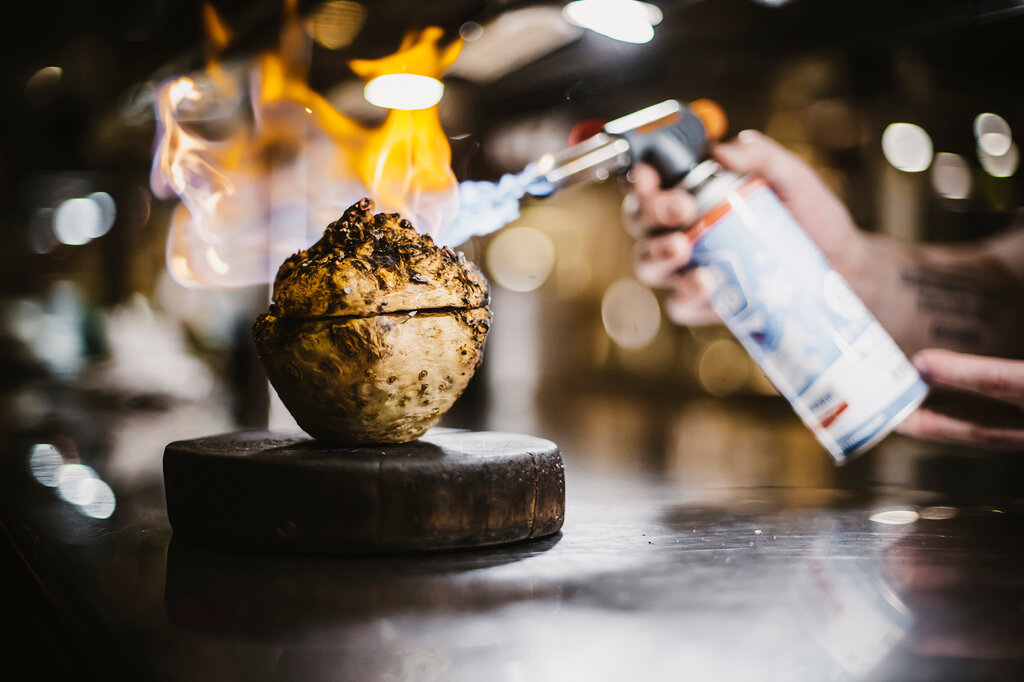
(594, 159)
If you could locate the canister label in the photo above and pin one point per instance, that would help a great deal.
(800, 321)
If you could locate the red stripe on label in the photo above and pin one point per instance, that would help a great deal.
(709, 219)
(827, 421)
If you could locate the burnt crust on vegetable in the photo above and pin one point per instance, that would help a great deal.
(367, 263)
(374, 331)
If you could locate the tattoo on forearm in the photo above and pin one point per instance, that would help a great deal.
(953, 336)
(958, 310)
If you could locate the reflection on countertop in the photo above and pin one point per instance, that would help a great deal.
(707, 536)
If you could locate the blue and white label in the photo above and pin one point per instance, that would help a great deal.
(800, 321)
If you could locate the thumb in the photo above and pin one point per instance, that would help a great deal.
(755, 153)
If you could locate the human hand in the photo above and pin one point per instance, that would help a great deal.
(658, 218)
(978, 400)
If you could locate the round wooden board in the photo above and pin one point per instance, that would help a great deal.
(266, 491)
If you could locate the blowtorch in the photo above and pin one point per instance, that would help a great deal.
(672, 137)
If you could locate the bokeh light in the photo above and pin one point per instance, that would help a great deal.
(108, 212)
(907, 146)
(993, 134)
(951, 176)
(45, 462)
(45, 76)
(405, 91)
(630, 313)
(42, 85)
(723, 367)
(40, 232)
(1002, 166)
(471, 31)
(895, 517)
(76, 483)
(624, 20)
(79, 220)
(521, 258)
(938, 513)
(336, 23)
(76, 220)
(103, 502)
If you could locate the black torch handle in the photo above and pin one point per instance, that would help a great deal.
(673, 149)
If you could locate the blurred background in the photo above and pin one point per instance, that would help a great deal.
(106, 357)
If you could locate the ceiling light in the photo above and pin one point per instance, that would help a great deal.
(626, 20)
(511, 41)
(405, 91)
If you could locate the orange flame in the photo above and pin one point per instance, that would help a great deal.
(257, 185)
(409, 154)
(218, 34)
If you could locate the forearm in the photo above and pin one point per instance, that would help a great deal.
(968, 298)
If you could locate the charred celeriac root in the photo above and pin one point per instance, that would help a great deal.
(374, 331)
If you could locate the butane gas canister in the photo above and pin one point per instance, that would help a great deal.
(796, 316)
